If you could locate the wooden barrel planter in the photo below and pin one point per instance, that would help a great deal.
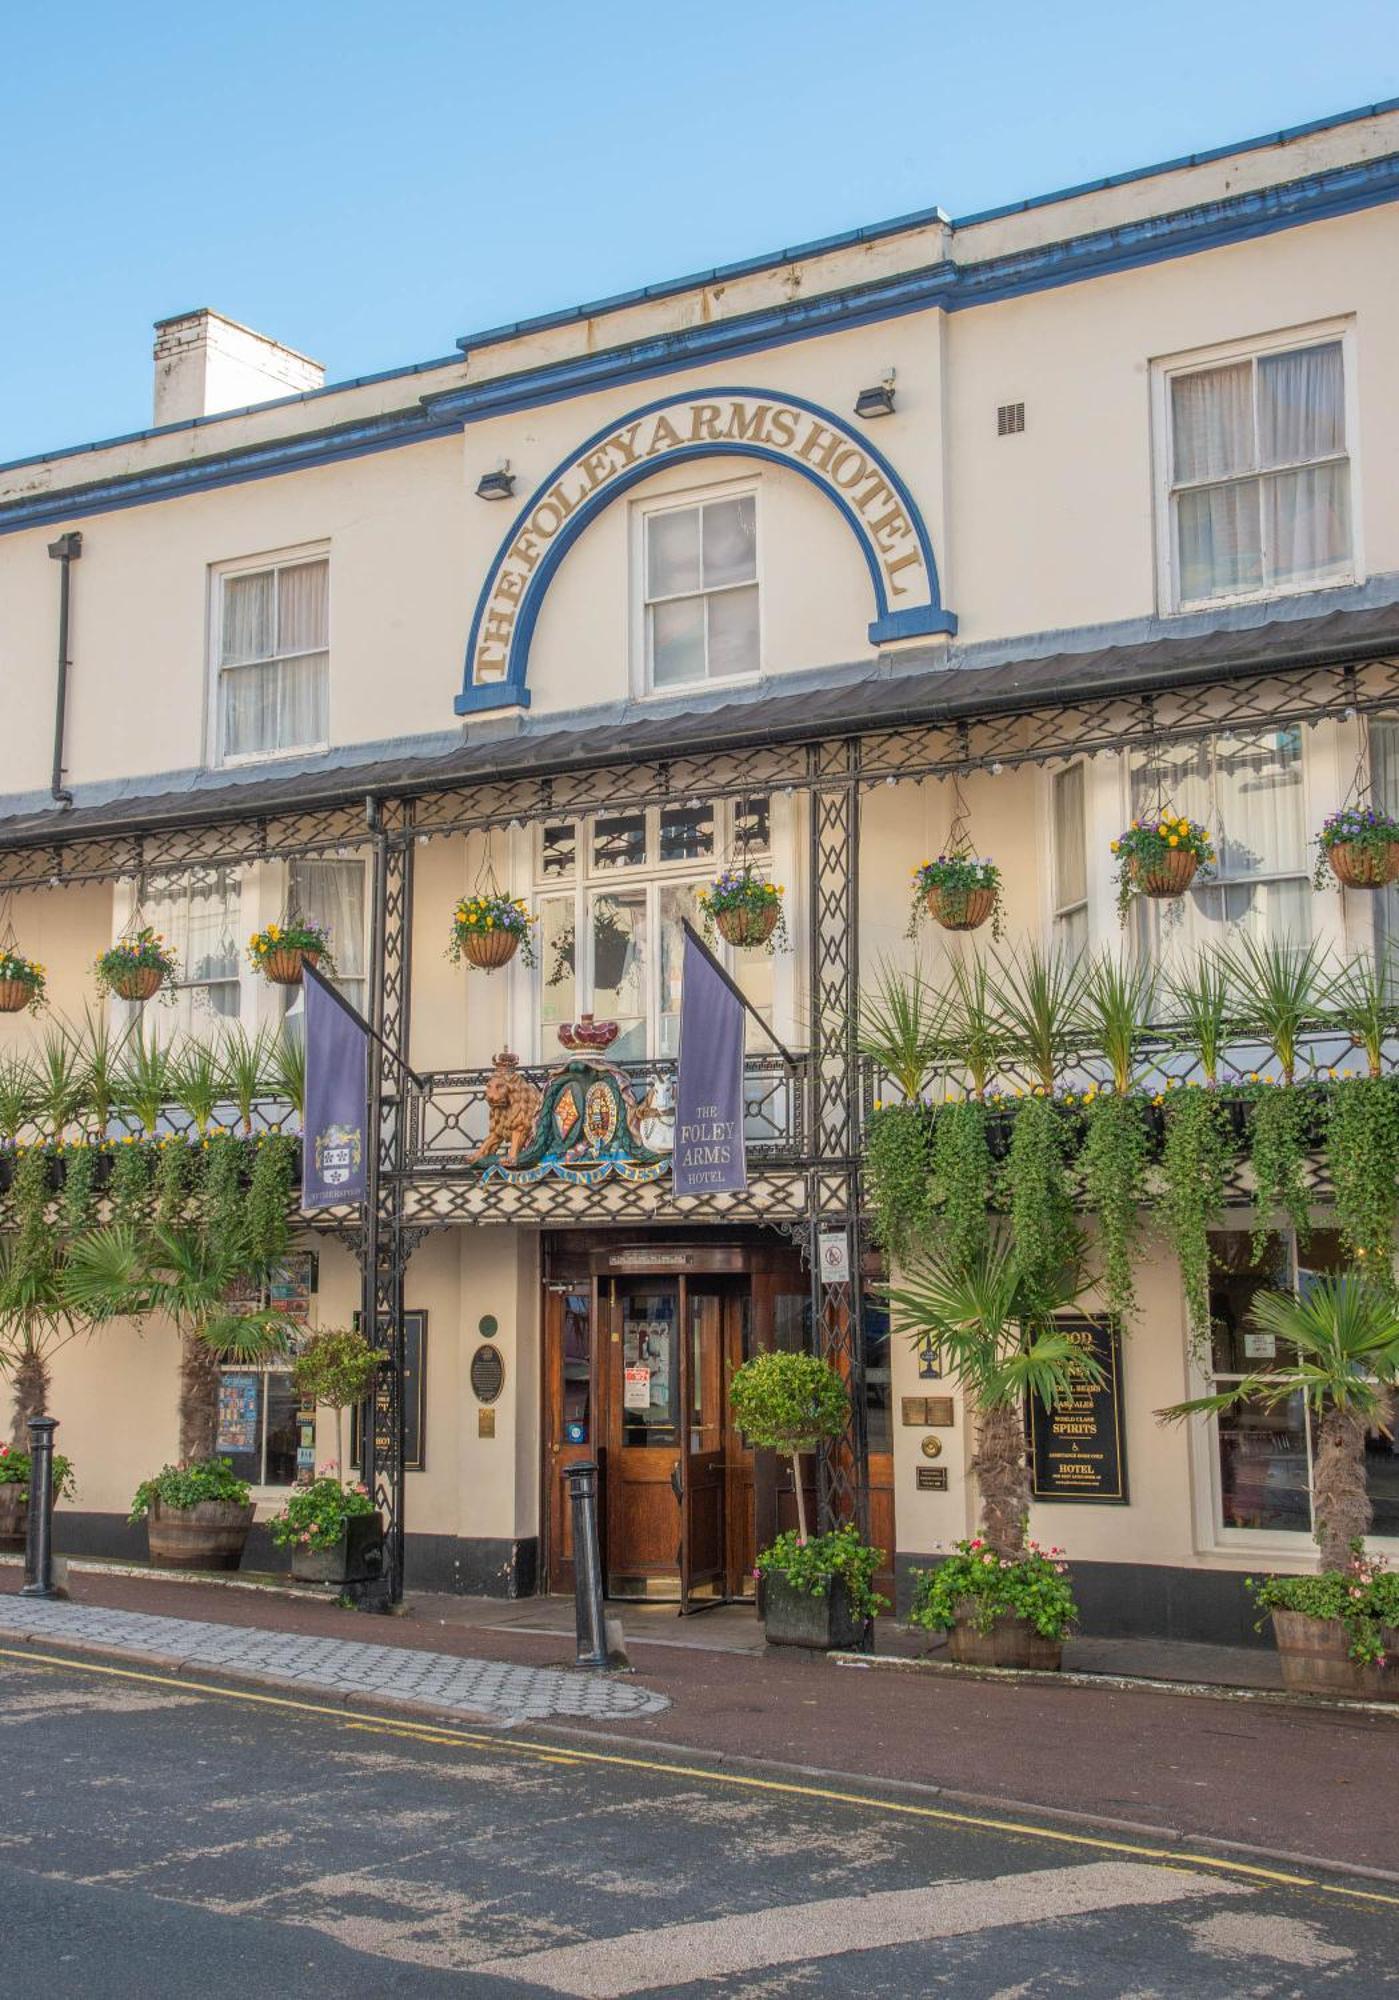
(209, 1535)
(1315, 1656)
(1360, 867)
(143, 982)
(489, 950)
(15, 995)
(285, 965)
(1011, 1642)
(747, 927)
(14, 1516)
(960, 909)
(1170, 876)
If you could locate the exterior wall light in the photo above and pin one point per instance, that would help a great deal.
(877, 402)
(497, 485)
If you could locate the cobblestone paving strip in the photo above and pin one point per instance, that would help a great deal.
(493, 1688)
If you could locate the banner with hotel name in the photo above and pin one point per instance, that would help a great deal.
(709, 1156)
(1077, 1448)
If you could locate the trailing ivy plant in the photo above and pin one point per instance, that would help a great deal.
(79, 1186)
(898, 1167)
(1036, 1192)
(133, 1165)
(962, 1180)
(172, 1178)
(1195, 1161)
(1362, 1149)
(1280, 1126)
(1112, 1167)
(269, 1191)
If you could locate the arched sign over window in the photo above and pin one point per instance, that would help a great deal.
(745, 423)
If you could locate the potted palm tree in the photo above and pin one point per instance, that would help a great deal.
(1338, 1349)
(817, 1589)
(990, 1329)
(185, 1276)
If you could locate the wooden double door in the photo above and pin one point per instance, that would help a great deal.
(637, 1368)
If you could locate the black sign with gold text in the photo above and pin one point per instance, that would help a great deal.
(1077, 1448)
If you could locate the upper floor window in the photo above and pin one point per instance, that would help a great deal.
(202, 921)
(332, 895)
(701, 592)
(612, 895)
(272, 633)
(1248, 790)
(1070, 860)
(1258, 474)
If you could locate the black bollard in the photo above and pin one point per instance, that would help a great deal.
(38, 1546)
(587, 1565)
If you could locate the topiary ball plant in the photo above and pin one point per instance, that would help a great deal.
(789, 1403)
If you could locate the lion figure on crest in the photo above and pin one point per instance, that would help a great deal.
(513, 1103)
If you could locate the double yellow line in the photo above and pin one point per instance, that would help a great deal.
(549, 1753)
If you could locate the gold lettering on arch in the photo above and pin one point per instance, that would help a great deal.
(818, 446)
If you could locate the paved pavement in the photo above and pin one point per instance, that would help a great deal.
(157, 1839)
(489, 1689)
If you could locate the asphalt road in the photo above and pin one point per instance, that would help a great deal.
(158, 1840)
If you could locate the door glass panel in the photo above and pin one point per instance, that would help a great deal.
(559, 956)
(650, 1370)
(706, 1321)
(577, 1360)
(791, 1323)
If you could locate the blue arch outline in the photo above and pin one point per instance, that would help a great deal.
(913, 621)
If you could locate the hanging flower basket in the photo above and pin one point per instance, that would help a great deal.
(283, 951)
(744, 910)
(1160, 857)
(22, 983)
(1360, 845)
(488, 930)
(959, 892)
(137, 966)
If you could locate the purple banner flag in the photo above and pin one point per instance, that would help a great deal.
(335, 1125)
(709, 1150)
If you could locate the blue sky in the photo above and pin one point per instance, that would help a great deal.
(367, 182)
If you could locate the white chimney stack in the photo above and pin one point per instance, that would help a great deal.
(205, 363)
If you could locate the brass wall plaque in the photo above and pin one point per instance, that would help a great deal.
(931, 1478)
(911, 1411)
(941, 1412)
(931, 1447)
(485, 1423)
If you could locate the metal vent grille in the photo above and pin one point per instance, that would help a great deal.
(1010, 418)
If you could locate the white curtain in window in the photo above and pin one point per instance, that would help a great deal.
(1258, 794)
(202, 924)
(331, 894)
(274, 683)
(1301, 405)
(1306, 521)
(1070, 844)
(1212, 424)
(1218, 539)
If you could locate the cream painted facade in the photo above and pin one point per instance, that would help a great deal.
(1023, 475)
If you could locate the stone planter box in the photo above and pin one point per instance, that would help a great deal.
(208, 1536)
(14, 1516)
(1011, 1642)
(1316, 1659)
(357, 1557)
(796, 1618)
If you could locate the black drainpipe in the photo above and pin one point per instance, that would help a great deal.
(65, 550)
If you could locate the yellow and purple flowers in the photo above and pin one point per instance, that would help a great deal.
(1370, 838)
(489, 915)
(745, 909)
(18, 971)
(311, 940)
(1146, 857)
(123, 965)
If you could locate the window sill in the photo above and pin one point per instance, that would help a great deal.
(1192, 607)
(238, 763)
(684, 688)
